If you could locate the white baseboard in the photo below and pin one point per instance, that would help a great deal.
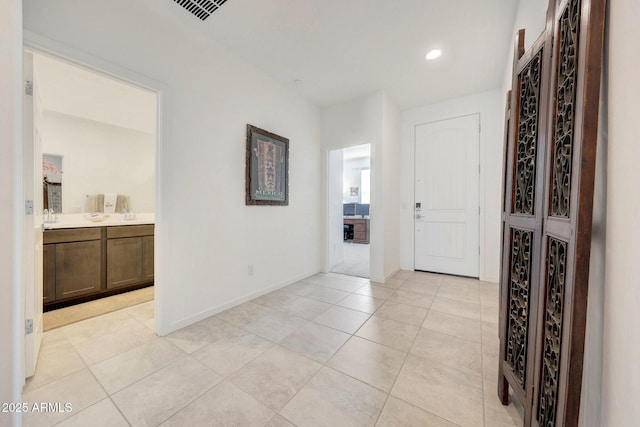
(490, 279)
(383, 279)
(179, 324)
(394, 271)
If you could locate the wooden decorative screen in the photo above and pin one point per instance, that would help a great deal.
(552, 331)
(523, 214)
(548, 187)
(519, 307)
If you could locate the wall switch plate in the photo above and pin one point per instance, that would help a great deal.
(250, 269)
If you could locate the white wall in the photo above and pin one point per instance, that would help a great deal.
(591, 394)
(490, 106)
(621, 367)
(11, 304)
(208, 237)
(101, 158)
(391, 185)
(354, 123)
(352, 177)
(371, 120)
(530, 16)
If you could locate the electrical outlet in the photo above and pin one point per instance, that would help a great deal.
(250, 269)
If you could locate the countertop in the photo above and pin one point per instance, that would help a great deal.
(80, 221)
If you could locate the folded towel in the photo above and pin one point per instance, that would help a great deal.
(110, 202)
(122, 203)
(91, 203)
(95, 203)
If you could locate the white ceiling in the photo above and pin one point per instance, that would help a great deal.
(76, 91)
(342, 49)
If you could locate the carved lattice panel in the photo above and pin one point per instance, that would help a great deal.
(552, 335)
(564, 117)
(549, 180)
(524, 180)
(519, 299)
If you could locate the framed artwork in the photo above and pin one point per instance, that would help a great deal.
(267, 168)
(355, 191)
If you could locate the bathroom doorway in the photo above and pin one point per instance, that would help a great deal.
(349, 216)
(105, 132)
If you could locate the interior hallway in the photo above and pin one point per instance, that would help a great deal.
(419, 350)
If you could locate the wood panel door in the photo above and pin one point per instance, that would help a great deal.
(124, 262)
(548, 213)
(447, 217)
(78, 269)
(147, 258)
(523, 204)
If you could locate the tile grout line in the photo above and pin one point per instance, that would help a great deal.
(393, 290)
(324, 364)
(404, 360)
(207, 389)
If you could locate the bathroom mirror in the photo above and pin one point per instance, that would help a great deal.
(52, 182)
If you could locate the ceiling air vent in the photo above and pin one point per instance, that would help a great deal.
(201, 8)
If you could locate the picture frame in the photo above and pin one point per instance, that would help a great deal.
(267, 168)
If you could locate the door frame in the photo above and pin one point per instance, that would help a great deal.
(328, 264)
(372, 223)
(47, 47)
(480, 189)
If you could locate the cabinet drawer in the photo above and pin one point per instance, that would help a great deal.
(129, 231)
(71, 235)
(360, 227)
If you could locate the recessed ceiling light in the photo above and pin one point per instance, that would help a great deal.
(433, 54)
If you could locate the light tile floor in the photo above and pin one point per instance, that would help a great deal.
(330, 350)
(355, 260)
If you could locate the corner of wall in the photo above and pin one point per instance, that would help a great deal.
(12, 301)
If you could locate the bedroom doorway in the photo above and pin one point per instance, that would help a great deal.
(350, 201)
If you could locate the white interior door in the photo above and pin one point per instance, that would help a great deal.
(32, 232)
(447, 156)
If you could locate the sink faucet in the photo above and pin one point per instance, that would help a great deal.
(128, 216)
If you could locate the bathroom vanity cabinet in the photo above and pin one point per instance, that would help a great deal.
(87, 263)
(129, 255)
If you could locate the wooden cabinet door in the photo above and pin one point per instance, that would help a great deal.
(361, 231)
(147, 258)
(49, 274)
(78, 268)
(124, 262)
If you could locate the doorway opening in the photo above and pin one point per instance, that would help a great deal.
(91, 143)
(350, 202)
